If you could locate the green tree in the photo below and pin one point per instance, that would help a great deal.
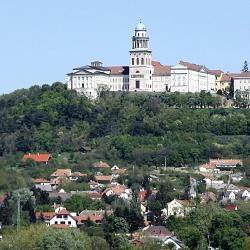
(70, 239)
(245, 66)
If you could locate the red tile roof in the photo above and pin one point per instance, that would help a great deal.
(216, 72)
(160, 69)
(63, 212)
(119, 171)
(95, 217)
(117, 190)
(101, 164)
(119, 70)
(37, 157)
(45, 215)
(78, 174)
(227, 77)
(226, 161)
(103, 178)
(61, 172)
(40, 180)
(94, 195)
(142, 195)
(192, 66)
(242, 74)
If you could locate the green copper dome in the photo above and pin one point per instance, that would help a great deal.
(140, 26)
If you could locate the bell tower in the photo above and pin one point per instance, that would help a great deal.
(140, 66)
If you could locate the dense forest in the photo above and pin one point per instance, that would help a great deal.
(137, 128)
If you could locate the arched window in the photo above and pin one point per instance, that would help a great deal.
(142, 61)
(133, 61)
(137, 71)
(137, 61)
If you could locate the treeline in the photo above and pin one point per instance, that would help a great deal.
(137, 128)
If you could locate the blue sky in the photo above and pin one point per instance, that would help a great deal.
(43, 40)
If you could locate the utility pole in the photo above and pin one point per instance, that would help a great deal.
(18, 213)
(165, 166)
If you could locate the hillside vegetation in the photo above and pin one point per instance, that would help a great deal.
(136, 128)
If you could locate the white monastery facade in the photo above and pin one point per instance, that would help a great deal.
(142, 74)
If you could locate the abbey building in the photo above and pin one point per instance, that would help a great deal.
(142, 73)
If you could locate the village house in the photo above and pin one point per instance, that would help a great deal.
(63, 217)
(244, 194)
(93, 185)
(217, 165)
(101, 165)
(42, 184)
(75, 176)
(207, 197)
(211, 182)
(116, 171)
(95, 216)
(229, 196)
(236, 177)
(40, 158)
(103, 179)
(179, 208)
(120, 191)
(61, 173)
(160, 233)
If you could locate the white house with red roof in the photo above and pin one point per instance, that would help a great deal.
(63, 217)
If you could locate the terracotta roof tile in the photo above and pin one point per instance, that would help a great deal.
(160, 69)
(37, 157)
(226, 161)
(242, 74)
(192, 66)
(103, 178)
(40, 180)
(61, 172)
(101, 164)
(45, 215)
(119, 70)
(63, 211)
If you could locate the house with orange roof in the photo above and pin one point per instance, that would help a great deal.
(217, 165)
(95, 216)
(101, 165)
(62, 172)
(41, 181)
(40, 158)
(104, 179)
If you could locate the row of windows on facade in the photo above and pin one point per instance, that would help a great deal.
(179, 83)
(245, 88)
(117, 79)
(245, 81)
(148, 61)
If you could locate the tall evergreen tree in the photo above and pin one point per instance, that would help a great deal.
(245, 66)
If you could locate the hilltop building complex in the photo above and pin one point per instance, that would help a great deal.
(146, 75)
